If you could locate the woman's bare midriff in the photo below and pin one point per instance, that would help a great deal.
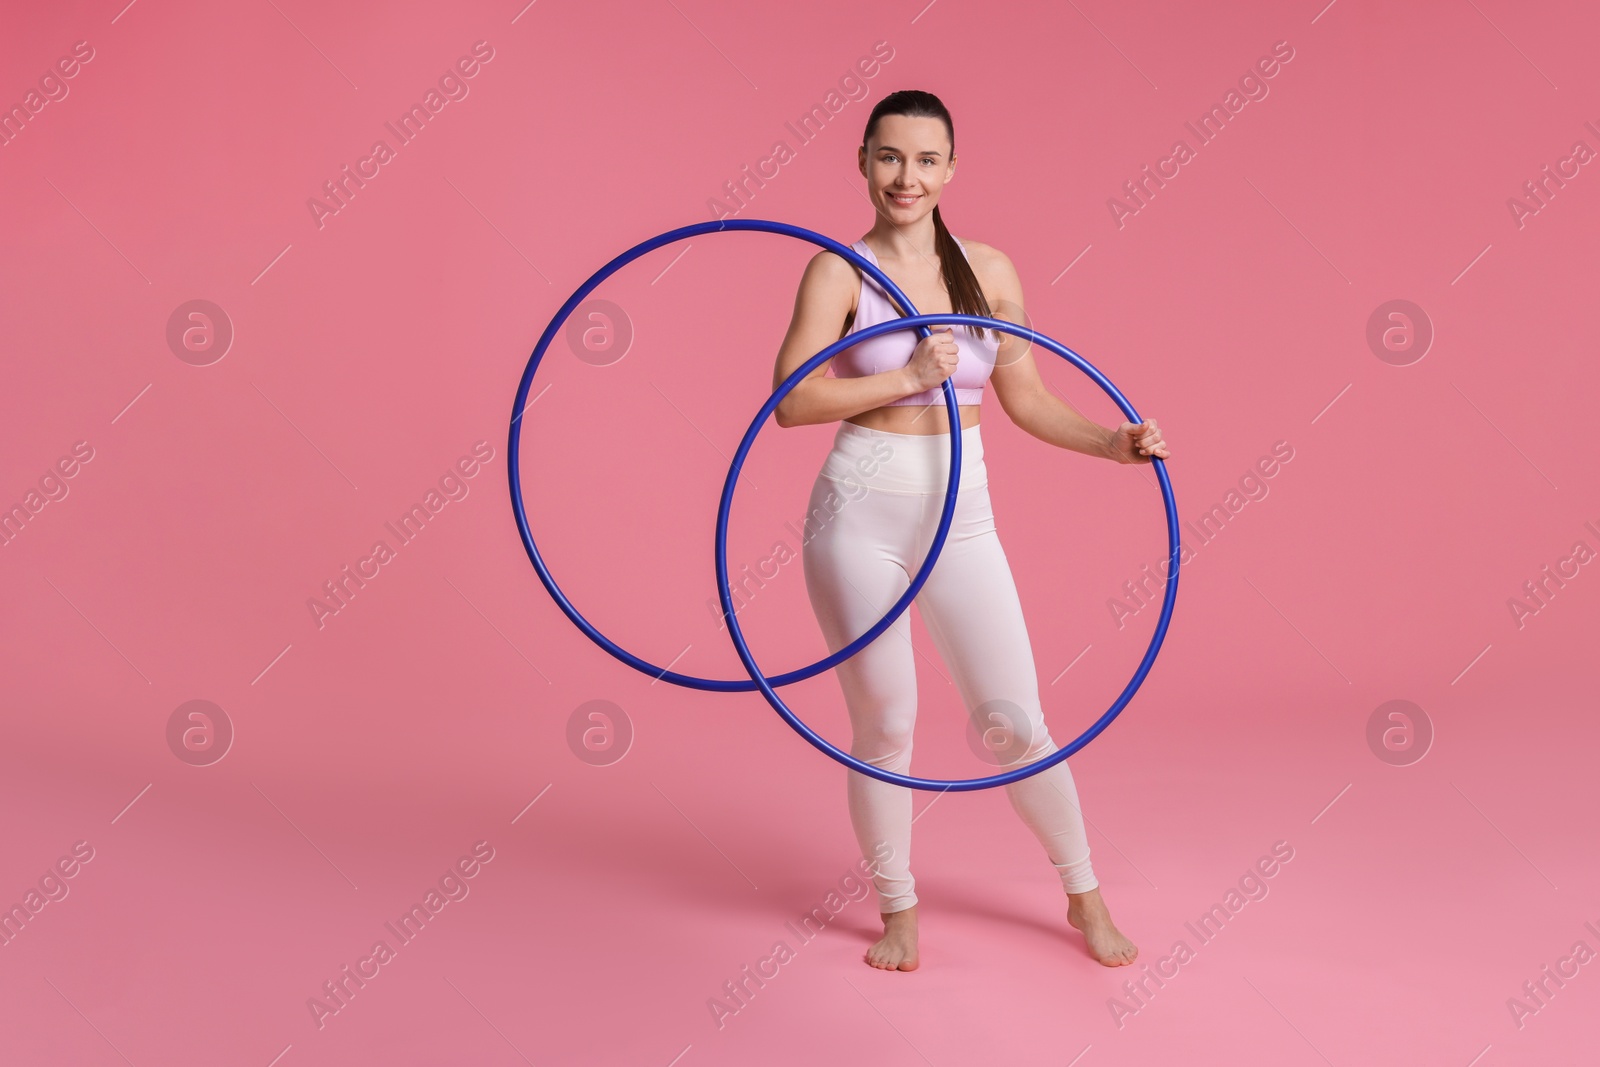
(915, 419)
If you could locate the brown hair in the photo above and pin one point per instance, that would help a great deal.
(966, 295)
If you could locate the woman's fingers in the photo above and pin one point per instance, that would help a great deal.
(1148, 437)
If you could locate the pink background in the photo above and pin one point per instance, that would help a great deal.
(374, 350)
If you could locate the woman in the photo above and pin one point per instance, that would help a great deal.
(892, 440)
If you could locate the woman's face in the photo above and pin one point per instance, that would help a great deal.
(907, 163)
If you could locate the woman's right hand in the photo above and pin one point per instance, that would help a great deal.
(933, 360)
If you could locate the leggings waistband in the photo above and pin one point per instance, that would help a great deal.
(902, 462)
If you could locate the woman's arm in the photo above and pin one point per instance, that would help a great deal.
(1022, 393)
(820, 308)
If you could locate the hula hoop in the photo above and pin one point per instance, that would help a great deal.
(513, 467)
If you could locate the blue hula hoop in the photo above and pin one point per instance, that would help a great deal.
(513, 466)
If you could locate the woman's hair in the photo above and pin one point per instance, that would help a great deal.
(966, 295)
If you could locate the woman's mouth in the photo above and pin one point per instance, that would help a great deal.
(905, 200)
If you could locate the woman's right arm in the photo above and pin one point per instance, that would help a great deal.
(820, 308)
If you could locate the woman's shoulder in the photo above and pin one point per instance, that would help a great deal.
(831, 279)
(831, 270)
(984, 256)
(994, 270)
(829, 264)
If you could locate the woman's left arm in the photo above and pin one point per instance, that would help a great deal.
(1022, 393)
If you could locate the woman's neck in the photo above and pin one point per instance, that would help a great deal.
(917, 241)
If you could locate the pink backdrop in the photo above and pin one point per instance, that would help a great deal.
(1440, 902)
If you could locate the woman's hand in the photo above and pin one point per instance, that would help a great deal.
(1137, 442)
(933, 360)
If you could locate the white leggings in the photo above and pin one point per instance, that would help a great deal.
(870, 520)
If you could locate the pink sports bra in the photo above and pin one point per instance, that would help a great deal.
(975, 358)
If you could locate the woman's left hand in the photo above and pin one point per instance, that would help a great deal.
(1137, 442)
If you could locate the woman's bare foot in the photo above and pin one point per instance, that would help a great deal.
(897, 949)
(1088, 912)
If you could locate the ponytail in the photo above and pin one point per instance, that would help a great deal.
(966, 295)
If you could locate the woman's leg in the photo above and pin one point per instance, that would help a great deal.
(971, 609)
(854, 562)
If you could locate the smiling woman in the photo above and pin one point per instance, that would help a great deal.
(885, 392)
